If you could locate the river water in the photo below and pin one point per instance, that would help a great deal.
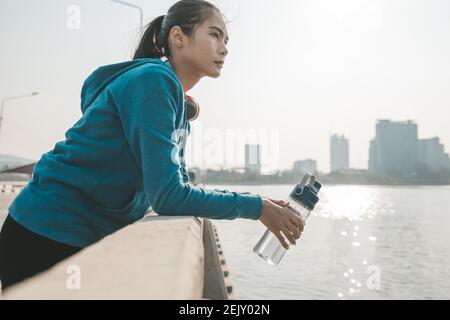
(361, 242)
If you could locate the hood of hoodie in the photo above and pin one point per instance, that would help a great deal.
(104, 75)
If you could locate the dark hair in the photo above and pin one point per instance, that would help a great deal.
(187, 14)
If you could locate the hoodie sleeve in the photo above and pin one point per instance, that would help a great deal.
(148, 108)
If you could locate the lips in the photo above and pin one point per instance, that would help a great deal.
(220, 63)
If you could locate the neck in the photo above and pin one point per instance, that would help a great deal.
(188, 77)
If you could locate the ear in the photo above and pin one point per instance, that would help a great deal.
(177, 36)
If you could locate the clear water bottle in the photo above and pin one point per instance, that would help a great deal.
(301, 200)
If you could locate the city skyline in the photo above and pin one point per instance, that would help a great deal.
(428, 149)
(396, 150)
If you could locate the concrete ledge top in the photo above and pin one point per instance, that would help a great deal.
(155, 258)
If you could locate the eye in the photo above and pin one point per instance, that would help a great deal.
(216, 35)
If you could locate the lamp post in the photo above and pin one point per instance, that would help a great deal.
(13, 98)
(141, 12)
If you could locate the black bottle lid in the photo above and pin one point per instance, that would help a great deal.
(307, 194)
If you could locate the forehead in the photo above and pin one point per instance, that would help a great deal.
(216, 20)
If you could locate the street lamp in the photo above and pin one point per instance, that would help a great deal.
(13, 98)
(141, 12)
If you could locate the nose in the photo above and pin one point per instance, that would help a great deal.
(224, 51)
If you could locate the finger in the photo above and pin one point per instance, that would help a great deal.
(284, 204)
(294, 230)
(281, 203)
(288, 235)
(282, 240)
(298, 222)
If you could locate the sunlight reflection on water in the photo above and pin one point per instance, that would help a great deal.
(361, 242)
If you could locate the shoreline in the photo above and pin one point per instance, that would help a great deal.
(323, 184)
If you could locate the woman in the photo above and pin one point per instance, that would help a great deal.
(125, 154)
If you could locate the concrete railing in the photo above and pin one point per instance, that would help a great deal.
(11, 187)
(155, 258)
(217, 283)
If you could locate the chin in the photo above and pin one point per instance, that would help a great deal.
(215, 74)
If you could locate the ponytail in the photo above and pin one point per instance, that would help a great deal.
(150, 46)
(187, 14)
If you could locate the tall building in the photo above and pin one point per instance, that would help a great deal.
(339, 153)
(373, 157)
(306, 166)
(394, 151)
(432, 155)
(253, 158)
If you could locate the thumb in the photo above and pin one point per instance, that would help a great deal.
(281, 203)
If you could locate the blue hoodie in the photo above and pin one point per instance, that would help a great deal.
(123, 157)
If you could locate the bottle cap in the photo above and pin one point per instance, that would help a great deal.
(306, 193)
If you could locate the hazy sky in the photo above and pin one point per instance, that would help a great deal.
(304, 69)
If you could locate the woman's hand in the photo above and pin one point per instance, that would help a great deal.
(279, 219)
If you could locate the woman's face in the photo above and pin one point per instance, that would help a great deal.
(206, 49)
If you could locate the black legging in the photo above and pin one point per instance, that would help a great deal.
(24, 253)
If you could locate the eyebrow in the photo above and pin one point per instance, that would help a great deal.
(220, 30)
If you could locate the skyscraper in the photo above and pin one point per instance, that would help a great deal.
(394, 151)
(339, 153)
(253, 158)
(432, 155)
(373, 168)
